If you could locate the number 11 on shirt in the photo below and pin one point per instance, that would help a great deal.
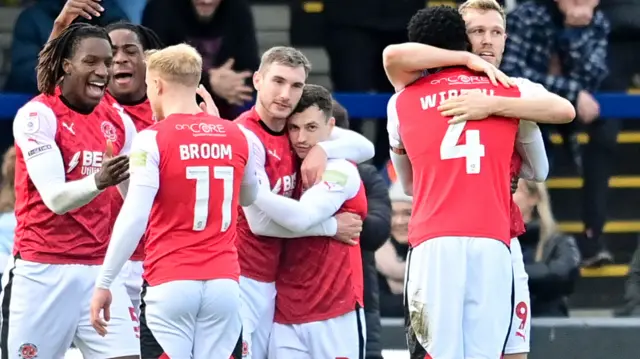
(471, 151)
(201, 207)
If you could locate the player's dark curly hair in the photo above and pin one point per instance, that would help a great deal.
(147, 37)
(315, 95)
(439, 26)
(63, 47)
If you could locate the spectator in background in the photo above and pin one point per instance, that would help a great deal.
(224, 34)
(7, 205)
(391, 258)
(356, 33)
(562, 44)
(551, 258)
(375, 231)
(31, 32)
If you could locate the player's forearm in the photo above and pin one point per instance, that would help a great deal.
(293, 215)
(551, 109)
(405, 62)
(123, 188)
(530, 146)
(47, 174)
(404, 170)
(127, 232)
(348, 145)
(263, 225)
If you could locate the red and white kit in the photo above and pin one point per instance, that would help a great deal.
(260, 239)
(529, 161)
(142, 117)
(320, 286)
(188, 175)
(459, 277)
(63, 229)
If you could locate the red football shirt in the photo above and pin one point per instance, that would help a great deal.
(259, 255)
(142, 117)
(321, 278)
(460, 172)
(42, 127)
(517, 223)
(200, 163)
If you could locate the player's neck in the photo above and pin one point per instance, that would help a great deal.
(275, 124)
(181, 103)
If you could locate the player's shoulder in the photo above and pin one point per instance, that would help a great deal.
(528, 87)
(33, 115)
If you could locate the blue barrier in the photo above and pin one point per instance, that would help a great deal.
(613, 105)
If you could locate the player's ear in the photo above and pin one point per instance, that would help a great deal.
(66, 66)
(257, 78)
(331, 123)
(159, 85)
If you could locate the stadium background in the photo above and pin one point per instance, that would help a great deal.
(591, 333)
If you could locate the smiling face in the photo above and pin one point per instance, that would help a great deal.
(88, 71)
(127, 83)
(487, 34)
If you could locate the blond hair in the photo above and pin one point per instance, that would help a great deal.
(548, 225)
(180, 64)
(483, 5)
(7, 188)
(287, 56)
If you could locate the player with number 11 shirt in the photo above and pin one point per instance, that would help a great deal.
(189, 173)
(461, 215)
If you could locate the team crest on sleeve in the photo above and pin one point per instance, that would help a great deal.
(33, 123)
(109, 131)
(28, 351)
(334, 180)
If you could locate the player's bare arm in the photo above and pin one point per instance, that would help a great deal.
(340, 182)
(343, 143)
(71, 10)
(404, 63)
(259, 221)
(131, 223)
(397, 153)
(536, 104)
(34, 130)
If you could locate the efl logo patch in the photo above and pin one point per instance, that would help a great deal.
(33, 123)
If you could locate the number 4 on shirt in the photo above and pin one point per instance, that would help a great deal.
(471, 151)
(201, 207)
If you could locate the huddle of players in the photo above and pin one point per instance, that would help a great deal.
(211, 268)
(466, 292)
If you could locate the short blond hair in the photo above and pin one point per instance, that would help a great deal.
(284, 55)
(483, 5)
(178, 63)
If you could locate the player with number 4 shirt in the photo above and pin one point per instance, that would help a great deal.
(189, 173)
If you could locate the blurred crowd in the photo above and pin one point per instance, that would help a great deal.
(575, 48)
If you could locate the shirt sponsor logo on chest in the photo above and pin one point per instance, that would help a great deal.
(285, 185)
(90, 162)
